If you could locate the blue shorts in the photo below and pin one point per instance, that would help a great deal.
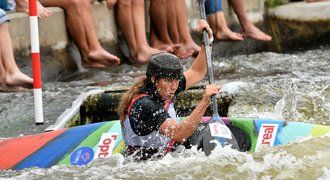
(3, 16)
(3, 5)
(213, 6)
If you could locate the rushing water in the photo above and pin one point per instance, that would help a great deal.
(292, 86)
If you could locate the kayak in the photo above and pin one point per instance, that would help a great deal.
(82, 144)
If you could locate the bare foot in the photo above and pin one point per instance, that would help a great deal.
(100, 59)
(155, 43)
(5, 88)
(192, 46)
(144, 53)
(19, 79)
(88, 64)
(23, 6)
(255, 33)
(111, 3)
(164, 45)
(181, 52)
(228, 35)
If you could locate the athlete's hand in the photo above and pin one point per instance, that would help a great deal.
(210, 90)
(204, 25)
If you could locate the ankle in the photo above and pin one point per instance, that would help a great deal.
(248, 27)
(13, 71)
(95, 48)
(143, 48)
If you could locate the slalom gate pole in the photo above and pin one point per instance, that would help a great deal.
(36, 69)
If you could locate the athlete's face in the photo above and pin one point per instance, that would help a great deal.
(166, 87)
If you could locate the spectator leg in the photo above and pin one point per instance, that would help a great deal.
(249, 30)
(184, 31)
(14, 77)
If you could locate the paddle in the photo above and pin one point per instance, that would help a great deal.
(216, 130)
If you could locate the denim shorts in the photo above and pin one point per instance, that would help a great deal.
(3, 16)
(213, 6)
(7, 5)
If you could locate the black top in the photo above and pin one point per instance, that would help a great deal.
(147, 113)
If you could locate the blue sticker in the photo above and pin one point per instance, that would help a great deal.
(260, 122)
(82, 156)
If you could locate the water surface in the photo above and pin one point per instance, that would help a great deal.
(292, 86)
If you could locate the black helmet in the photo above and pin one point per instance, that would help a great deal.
(164, 65)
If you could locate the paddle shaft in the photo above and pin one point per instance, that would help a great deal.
(208, 53)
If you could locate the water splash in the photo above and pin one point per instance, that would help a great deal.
(307, 159)
(274, 81)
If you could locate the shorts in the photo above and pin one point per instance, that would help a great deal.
(3, 16)
(213, 6)
(7, 5)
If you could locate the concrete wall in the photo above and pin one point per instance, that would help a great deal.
(59, 56)
(299, 25)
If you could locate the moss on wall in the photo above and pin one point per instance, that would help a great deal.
(275, 3)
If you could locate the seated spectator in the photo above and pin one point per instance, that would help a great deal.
(182, 32)
(170, 30)
(219, 26)
(159, 30)
(130, 17)
(11, 78)
(217, 21)
(81, 27)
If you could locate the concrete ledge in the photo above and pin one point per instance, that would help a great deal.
(53, 43)
(59, 56)
(302, 11)
(291, 26)
(300, 25)
(50, 30)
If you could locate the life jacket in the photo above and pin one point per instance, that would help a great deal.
(155, 141)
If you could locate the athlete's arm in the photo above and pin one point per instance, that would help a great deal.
(180, 132)
(198, 69)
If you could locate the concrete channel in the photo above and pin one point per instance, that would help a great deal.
(294, 26)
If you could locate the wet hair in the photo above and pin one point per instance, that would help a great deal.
(129, 95)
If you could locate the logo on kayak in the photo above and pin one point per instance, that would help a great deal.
(82, 156)
(267, 135)
(106, 145)
(220, 130)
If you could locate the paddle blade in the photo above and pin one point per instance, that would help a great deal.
(217, 134)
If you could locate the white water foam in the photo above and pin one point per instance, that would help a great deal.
(234, 87)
